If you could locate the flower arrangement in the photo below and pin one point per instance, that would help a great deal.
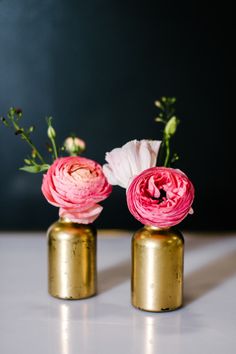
(73, 183)
(157, 194)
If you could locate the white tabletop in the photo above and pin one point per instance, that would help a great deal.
(32, 322)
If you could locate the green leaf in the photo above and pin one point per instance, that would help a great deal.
(35, 168)
(44, 167)
(30, 169)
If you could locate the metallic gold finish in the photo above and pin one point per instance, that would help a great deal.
(157, 269)
(71, 260)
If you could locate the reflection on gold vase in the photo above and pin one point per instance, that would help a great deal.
(157, 269)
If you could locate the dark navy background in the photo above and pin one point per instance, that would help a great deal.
(97, 67)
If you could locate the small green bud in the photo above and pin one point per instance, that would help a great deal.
(51, 132)
(158, 104)
(159, 119)
(18, 113)
(174, 158)
(33, 154)
(31, 129)
(11, 112)
(28, 162)
(171, 126)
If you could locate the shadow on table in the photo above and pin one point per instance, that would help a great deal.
(114, 275)
(210, 276)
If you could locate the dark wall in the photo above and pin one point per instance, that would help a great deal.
(97, 67)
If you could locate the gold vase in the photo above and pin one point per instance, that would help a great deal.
(71, 260)
(157, 269)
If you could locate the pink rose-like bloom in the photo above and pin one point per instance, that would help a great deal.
(160, 197)
(76, 184)
(131, 159)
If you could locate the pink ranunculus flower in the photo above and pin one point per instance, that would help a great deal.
(76, 184)
(130, 160)
(160, 197)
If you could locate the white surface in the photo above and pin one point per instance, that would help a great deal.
(33, 322)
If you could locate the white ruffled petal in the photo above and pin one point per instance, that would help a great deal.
(130, 160)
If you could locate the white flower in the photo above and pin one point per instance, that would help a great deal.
(130, 160)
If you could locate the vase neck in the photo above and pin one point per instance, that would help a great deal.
(65, 220)
(155, 228)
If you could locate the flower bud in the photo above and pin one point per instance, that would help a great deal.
(74, 146)
(158, 104)
(51, 132)
(18, 112)
(171, 126)
(33, 153)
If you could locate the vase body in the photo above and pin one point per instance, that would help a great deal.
(71, 260)
(157, 269)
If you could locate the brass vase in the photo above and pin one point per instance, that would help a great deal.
(157, 269)
(71, 260)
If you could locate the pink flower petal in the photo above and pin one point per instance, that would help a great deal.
(81, 217)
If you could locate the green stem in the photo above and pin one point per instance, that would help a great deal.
(167, 144)
(26, 138)
(54, 148)
(33, 147)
